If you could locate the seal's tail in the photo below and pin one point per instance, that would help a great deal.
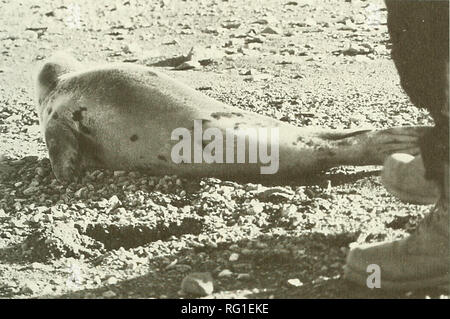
(51, 69)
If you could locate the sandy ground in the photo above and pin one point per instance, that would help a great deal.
(130, 235)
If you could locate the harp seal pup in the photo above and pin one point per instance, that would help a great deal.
(122, 117)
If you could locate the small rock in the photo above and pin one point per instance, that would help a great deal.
(256, 207)
(188, 65)
(81, 193)
(271, 30)
(261, 245)
(288, 210)
(30, 288)
(265, 21)
(225, 273)
(121, 211)
(40, 171)
(260, 77)
(210, 30)
(109, 294)
(131, 48)
(244, 277)
(198, 283)
(39, 266)
(30, 190)
(335, 265)
(295, 282)
(231, 24)
(251, 39)
(234, 257)
(181, 268)
(119, 173)
(171, 42)
(247, 72)
(113, 203)
(112, 280)
(275, 192)
(242, 267)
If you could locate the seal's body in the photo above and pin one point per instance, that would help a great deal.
(122, 116)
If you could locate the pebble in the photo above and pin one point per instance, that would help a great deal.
(198, 283)
(121, 211)
(242, 267)
(109, 294)
(188, 65)
(233, 257)
(275, 192)
(256, 207)
(30, 190)
(295, 282)
(119, 173)
(271, 30)
(113, 203)
(230, 24)
(39, 266)
(289, 210)
(30, 288)
(40, 171)
(81, 193)
(261, 245)
(225, 273)
(181, 268)
(244, 277)
(112, 280)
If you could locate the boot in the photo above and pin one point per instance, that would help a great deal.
(418, 261)
(403, 175)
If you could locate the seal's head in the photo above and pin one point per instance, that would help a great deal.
(49, 73)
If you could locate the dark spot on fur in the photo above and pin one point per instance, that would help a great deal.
(134, 138)
(238, 124)
(162, 158)
(218, 115)
(77, 116)
(335, 137)
(49, 111)
(55, 116)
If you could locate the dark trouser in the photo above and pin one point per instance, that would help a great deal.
(419, 31)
